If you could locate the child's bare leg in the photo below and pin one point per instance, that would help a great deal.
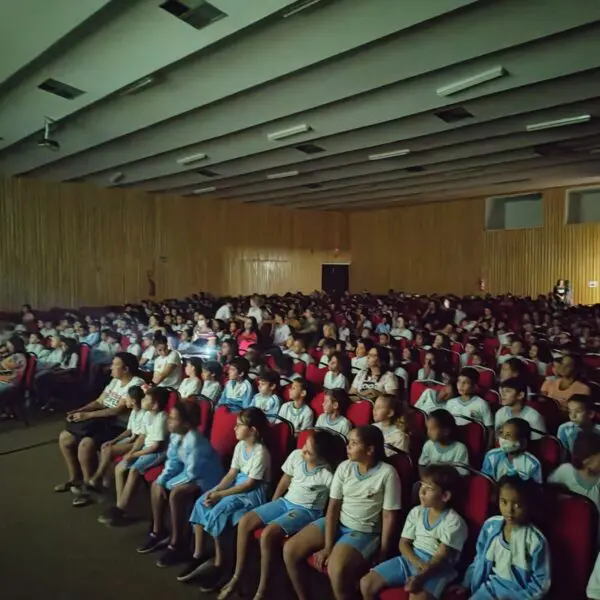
(158, 501)
(120, 478)
(198, 541)
(271, 542)
(130, 485)
(180, 502)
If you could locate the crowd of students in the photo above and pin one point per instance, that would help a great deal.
(256, 357)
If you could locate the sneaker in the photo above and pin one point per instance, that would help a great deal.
(80, 489)
(212, 579)
(82, 500)
(62, 488)
(172, 557)
(195, 568)
(153, 542)
(112, 517)
(229, 589)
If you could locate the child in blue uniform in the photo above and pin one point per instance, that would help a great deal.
(238, 392)
(581, 418)
(242, 489)
(266, 399)
(431, 542)
(512, 561)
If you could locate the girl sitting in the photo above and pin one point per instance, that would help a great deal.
(335, 405)
(387, 416)
(249, 336)
(35, 345)
(192, 384)
(299, 500)
(355, 529)
(242, 489)
(432, 399)
(335, 378)
(443, 445)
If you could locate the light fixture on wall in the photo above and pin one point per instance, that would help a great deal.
(138, 86)
(391, 154)
(559, 123)
(205, 190)
(282, 175)
(193, 158)
(300, 7)
(285, 133)
(469, 82)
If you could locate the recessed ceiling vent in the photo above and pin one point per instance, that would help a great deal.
(58, 88)
(207, 173)
(453, 114)
(310, 148)
(197, 13)
(313, 186)
(415, 169)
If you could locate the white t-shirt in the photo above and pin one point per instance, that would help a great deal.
(256, 464)
(387, 383)
(135, 349)
(149, 353)
(365, 496)
(155, 428)
(341, 424)
(301, 418)
(527, 413)
(307, 488)
(174, 379)
(190, 386)
(135, 424)
(567, 475)
(395, 437)
(211, 390)
(281, 334)
(256, 312)
(333, 381)
(305, 357)
(401, 333)
(450, 530)
(115, 391)
(475, 408)
(427, 402)
(223, 312)
(434, 453)
(359, 363)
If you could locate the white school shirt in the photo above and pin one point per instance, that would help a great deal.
(386, 384)
(135, 349)
(305, 357)
(497, 464)
(52, 357)
(268, 404)
(359, 363)
(593, 587)
(114, 392)
(427, 402)
(155, 428)
(401, 333)
(568, 476)
(36, 349)
(72, 364)
(344, 334)
(256, 312)
(335, 380)
(174, 379)
(307, 488)
(301, 418)
(341, 424)
(149, 353)
(223, 313)
(281, 334)
(136, 422)
(256, 464)
(365, 496)
(475, 408)
(450, 529)
(434, 453)
(211, 390)
(527, 413)
(323, 361)
(190, 386)
(395, 437)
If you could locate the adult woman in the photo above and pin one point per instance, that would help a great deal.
(559, 292)
(377, 378)
(91, 425)
(401, 331)
(567, 383)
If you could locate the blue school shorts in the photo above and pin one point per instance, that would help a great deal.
(142, 464)
(397, 571)
(366, 543)
(290, 517)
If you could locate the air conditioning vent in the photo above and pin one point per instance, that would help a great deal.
(58, 88)
(207, 173)
(310, 148)
(197, 13)
(453, 114)
(313, 186)
(415, 169)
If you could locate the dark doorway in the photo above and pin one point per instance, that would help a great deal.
(335, 279)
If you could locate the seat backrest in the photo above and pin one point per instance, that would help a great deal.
(403, 464)
(29, 374)
(222, 433)
(317, 403)
(315, 375)
(84, 358)
(474, 436)
(418, 387)
(206, 414)
(492, 397)
(285, 392)
(416, 421)
(592, 360)
(302, 437)
(281, 435)
(174, 398)
(360, 413)
(299, 368)
(549, 451)
(549, 409)
(487, 378)
(125, 342)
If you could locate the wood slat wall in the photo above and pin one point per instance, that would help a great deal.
(73, 245)
(445, 248)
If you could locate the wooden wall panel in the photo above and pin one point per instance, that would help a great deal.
(72, 245)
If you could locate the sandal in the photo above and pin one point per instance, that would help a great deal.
(62, 488)
(82, 500)
(229, 588)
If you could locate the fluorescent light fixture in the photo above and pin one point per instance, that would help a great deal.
(282, 175)
(559, 123)
(205, 190)
(391, 154)
(116, 178)
(469, 82)
(186, 160)
(138, 85)
(300, 8)
(285, 133)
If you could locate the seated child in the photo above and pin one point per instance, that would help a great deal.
(329, 347)
(470, 349)
(299, 353)
(135, 345)
(335, 405)
(512, 458)
(513, 556)
(359, 362)
(513, 397)
(432, 399)
(387, 417)
(243, 489)
(238, 391)
(191, 385)
(299, 500)
(266, 399)
(335, 378)
(428, 371)
(581, 418)
(149, 353)
(431, 542)
(192, 467)
(284, 365)
(35, 345)
(364, 500)
(296, 411)
(443, 445)
(211, 387)
(148, 451)
(467, 403)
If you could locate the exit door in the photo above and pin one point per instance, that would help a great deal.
(335, 279)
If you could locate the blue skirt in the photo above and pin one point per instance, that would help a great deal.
(228, 510)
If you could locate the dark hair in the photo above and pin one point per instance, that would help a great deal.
(270, 377)
(255, 417)
(396, 407)
(443, 476)
(328, 447)
(471, 374)
(196, 363)
(372, 436)
(383, 355)
(530, 492)
(586, 401)
(523, 430)
(516, 364)
(366, 342)
(136, 393)
(213, 367)
(341, 398)
(445, 419)
(160, 339)
(587, 443)
(189, 412)
(159, 396)
(254, 326)
(18, 343)
(303, 383)
(241, 364)
(72, 346)
(329, 343)
(515, 383)
(285, 363)
(130, 362)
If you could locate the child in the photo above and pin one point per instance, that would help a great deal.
(192, 466)
(148, 451)
(238, 392)
(359, 362)
(329, 347)
(582, 474)
(443, 445)
(297, 412)
(35, 345)
(361, 517)
(299, 353)
(388, 418)
(428, 372)
(120, 445)
(581, 418)
(512, 458)
(186, 345)
(192, 384)
(467, 403)
(432, 399)
(284, 365)
(299, 500)
(431, 542)
(149, 354)
(467, 354)
(211, 388)
(335, 405)
(513, 399)
(135, 345)
(335, 378)
(242, 489)
(266, 399)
